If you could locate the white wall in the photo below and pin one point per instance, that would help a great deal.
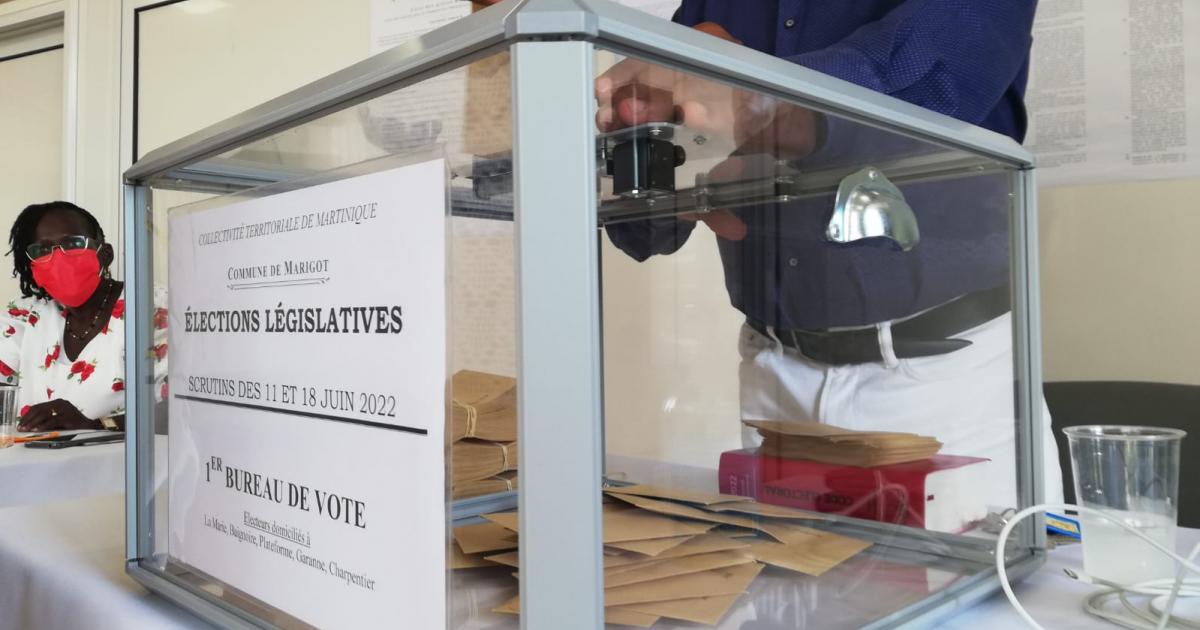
(1120, 283)
(670, 352)
(31, 133)
(202, 61)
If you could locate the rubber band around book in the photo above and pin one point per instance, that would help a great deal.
(504, 451)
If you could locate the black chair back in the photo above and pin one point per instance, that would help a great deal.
(1132, 403)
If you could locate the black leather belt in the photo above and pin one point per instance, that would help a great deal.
(925, 335)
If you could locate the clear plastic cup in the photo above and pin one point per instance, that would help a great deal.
(8, 414)
(1131, 473)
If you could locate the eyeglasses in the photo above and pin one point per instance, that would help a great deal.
(42, 249)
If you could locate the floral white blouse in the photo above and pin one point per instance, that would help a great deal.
(31, 356)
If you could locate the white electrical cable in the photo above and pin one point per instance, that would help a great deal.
(1157, 619)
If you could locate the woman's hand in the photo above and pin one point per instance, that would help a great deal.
(55, 415)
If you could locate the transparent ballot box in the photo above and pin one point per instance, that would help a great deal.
(561, 316)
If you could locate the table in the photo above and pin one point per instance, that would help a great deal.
(29, 476)
(61, 566)
(1053, 599)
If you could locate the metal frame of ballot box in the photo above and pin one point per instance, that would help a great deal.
(557, 211)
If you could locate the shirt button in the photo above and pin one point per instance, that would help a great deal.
(790, 23)
(793, 262)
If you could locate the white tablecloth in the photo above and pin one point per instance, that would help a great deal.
(29, 476)
(61, 567)
(1053, 599)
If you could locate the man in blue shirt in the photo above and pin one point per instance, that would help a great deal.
(862, 334)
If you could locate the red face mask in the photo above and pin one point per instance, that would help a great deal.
(70, 277)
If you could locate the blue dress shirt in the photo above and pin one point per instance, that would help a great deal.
(964, 58)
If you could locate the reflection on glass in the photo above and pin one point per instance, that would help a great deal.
(807, 321)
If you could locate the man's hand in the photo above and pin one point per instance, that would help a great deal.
(55, 415)
(634, 92)
(673, 96)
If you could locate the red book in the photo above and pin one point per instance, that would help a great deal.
(939, 494)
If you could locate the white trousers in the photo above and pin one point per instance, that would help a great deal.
(965, 398)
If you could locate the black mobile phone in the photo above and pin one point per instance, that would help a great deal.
(81, 439)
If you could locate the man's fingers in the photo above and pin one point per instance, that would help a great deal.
(618, 75)
(697, 115)
(640, 109)
(790, 134)
(604, 118)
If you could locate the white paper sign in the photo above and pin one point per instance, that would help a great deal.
(1114, 91)
(307, 406)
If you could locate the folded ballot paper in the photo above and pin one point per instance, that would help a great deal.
(484, 407)
(674, 554)
(503, 482)
(475, 460)
(834, 445)
(483, 427)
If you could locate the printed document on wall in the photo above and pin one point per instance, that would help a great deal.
(434, 110)
(307, 394)
(430, 111)
(1114, 91)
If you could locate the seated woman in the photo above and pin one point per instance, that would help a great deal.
(63, 341)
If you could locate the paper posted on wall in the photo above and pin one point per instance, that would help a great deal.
(1114, 91)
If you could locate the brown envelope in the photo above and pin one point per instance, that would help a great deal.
(814, 558)
(676, 494)
(703, 610)
(484, 537)
(731, 531)
(671, 567)
(686, 511)
(623, 525)
(629, 618)
(818, 430)
(653, 547)
(509, 559)
(726, 581)
(460, 560)
(791, 534)
(766, 509)
(783, 532)
(707, 543)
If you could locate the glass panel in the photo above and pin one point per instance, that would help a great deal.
(844, 276)
(845, 289)
(470, 127)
